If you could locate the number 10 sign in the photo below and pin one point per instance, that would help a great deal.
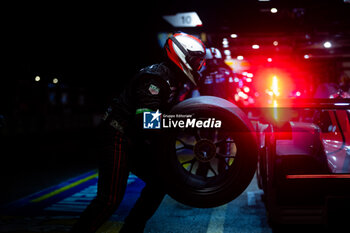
(185, 19)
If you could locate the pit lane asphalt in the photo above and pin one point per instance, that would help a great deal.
(244, 214)
(54, 210)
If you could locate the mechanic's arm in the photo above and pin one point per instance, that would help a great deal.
(150, 95)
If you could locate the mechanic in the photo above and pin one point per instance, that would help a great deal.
(215, 75)
(125, 145)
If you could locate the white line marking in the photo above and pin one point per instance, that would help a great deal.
(217, 220)
(254, 196)
(251, 198)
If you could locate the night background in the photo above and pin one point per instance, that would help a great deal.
(86, 53)
(93, 50)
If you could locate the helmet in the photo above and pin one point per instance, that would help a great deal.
(187, 52)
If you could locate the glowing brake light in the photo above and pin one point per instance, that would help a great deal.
(275, 86)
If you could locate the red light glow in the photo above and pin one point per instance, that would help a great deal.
(243, 95)
(274, 80)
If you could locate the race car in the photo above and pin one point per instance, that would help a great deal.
(304, 163)
(300, 155)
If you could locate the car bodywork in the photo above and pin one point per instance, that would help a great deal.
(304, 163)
(301, 154)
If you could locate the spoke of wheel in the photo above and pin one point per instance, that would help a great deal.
(189, 161)
(225, 156)
(197, 135)
(212, 169)
(185, 145)
(180, 148)
(224, 141)
(216, 134)
(223, 159)
(192, 161)
(192, 164)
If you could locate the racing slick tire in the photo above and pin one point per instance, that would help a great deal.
(208, 167)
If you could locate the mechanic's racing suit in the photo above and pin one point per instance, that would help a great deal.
(214, 80)
(126, 147)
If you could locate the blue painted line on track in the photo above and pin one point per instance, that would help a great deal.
(71, 201)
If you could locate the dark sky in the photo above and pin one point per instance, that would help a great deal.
(81, 41)
(96, 36)
(105, 43)
(97, 47)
